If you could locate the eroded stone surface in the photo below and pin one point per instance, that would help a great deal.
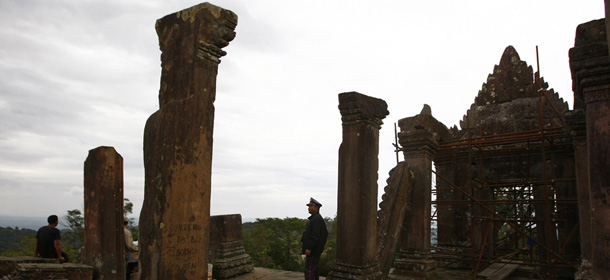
(361, 116)
(32, 268)
(104, 240)
(392, 211)
(590, 67)
(227, 251)
(175, 218)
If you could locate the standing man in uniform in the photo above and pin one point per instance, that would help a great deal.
(48, 243)
(313, 239)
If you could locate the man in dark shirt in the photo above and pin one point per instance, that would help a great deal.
(47, 241)
(313, 239)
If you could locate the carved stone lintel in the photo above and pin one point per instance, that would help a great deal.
(601, 94)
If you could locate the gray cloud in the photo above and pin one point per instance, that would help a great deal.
(78, 75)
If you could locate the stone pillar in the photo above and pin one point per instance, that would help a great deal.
(227, 251)
(591, 83)
(417, 138)
(453, 218)
(362, 117)
(578, 132)
(175, 217)
(104, 240)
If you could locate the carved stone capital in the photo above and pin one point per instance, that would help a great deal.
(357, 108)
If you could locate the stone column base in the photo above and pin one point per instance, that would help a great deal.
(416, 268)
(230, 259)
(346, 271)
(585, 271)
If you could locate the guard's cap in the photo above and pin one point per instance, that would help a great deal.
(313, 201)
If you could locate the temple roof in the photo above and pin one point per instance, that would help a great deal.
(509, 100)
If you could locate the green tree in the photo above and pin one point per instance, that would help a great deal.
(276, 243)
(25, 248)
(75, 221)
(132, 227)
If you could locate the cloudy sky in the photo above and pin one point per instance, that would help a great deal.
(75, 75)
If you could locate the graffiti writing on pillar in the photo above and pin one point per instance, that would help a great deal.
(185, 246)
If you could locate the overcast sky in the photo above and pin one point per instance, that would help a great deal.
(75, 75)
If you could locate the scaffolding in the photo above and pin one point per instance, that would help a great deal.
(514, 219)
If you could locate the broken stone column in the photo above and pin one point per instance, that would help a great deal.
(391, 214)
(418, 138)
(175, 218)
(227, 251)
(591, 84)
(104, 240)
(362, 117)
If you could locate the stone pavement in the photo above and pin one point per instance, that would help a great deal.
(260, 273)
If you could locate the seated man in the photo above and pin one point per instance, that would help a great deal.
(48, 243)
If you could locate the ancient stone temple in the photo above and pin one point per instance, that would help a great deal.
(104, 240)
(590, 124)
(362, 117)
(505, 181)
(175, 217)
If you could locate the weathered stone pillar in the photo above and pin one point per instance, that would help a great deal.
(227, 251)
(362, 117)
(175, 218)
(453, 218)
(591, 83)
(104, 241)
(578, 132)
(417, 138)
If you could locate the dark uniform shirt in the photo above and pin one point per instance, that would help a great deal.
(45, 241)
(314, 236)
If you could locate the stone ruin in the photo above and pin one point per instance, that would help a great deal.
(175, 217)
(520, 186)
(103, 190)
(521, 183)
(227, 251)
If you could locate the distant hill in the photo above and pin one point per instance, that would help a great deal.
(23, 222)
(10, 238)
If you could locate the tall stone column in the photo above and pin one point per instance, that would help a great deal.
(578, 133)
(104, 240)
(417, 138)
(453, 224)
(175, 218)
(590, 65)
(362, 117)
